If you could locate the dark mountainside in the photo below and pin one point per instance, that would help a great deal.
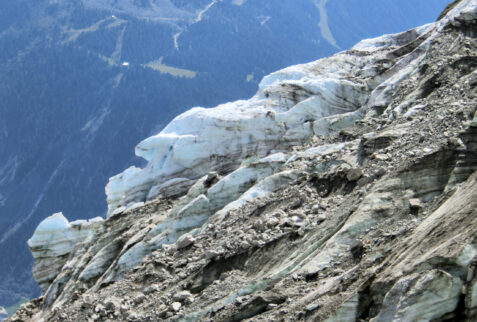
(367, 213)
(81, 85)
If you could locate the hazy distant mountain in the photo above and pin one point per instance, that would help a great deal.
(82, 82)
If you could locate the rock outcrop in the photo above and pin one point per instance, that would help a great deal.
(345, 190)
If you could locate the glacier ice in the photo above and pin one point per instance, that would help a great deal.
(290, 107)
(52, 242)
(202, 140)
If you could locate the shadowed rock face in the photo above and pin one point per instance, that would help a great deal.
(353, 197)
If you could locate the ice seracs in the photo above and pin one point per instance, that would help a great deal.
(53, 241)
(290, 107)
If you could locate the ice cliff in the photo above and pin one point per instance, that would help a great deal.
(345, 189)
(291, 106)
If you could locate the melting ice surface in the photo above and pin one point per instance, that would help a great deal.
(288, 109)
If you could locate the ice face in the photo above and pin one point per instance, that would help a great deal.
(54, 222)
(217, 139)
(291, 106)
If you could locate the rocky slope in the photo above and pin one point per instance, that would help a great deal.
(344, 190)
(82, 82)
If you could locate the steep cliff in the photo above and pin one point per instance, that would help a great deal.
(345, 189)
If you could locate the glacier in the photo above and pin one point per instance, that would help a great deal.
(290, 107)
